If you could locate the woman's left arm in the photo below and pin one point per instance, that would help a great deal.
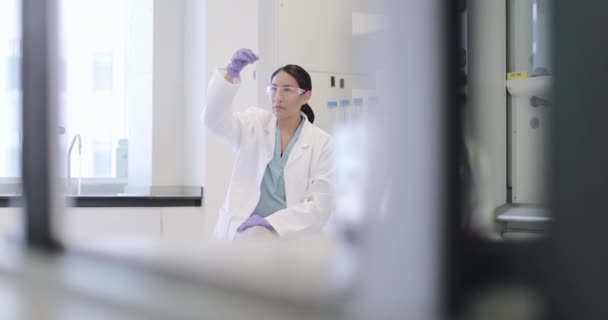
(312, 212)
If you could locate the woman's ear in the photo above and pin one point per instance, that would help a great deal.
(307, 95)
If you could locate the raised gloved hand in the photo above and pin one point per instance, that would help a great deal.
(239, 60)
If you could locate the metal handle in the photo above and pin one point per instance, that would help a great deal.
(538, 102)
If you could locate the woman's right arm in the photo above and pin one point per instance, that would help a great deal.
(217, 114)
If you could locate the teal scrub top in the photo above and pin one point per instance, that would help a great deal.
(272, 189)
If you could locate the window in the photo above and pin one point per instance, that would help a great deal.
(106, 69)
(102, 158)
(12, 64)
(10, 92)
(107, 52)
(102, 72)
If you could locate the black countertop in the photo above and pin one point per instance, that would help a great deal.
(95, 196)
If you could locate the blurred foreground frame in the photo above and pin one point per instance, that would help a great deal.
(567, 266)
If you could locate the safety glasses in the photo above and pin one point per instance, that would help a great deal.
(271, 90)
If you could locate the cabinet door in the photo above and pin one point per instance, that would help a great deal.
(529, 139)
(324, 101)
(11, 223)
(316, 34)
(340, 103)
(86, 225)
(363, 94)
(187, 223)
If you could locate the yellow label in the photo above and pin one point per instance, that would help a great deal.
(517, 75)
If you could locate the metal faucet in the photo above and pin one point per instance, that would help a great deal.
(69, 179)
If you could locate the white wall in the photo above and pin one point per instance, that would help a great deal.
(168, 93)
(528, 144)
(487, 100)
(139, 111)
(230, 24)
(180, 79)
(268, 47)
(316, 34)
(195, 82)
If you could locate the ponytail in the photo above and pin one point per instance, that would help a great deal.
(308, 112)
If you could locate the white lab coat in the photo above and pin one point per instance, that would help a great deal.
(308, 171)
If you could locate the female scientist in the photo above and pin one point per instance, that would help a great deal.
(281, 182)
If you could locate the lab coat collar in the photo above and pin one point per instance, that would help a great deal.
(303, 143)
(271, 128)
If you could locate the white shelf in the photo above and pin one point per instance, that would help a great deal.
(522, 213)
(532, 86)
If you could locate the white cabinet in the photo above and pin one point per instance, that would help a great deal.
(324, 100)
(185, 224)
(530, 130)
(88, 225)
(344, 102)
(94, 225)
(316, 34)
(11, 223)
(321, 36)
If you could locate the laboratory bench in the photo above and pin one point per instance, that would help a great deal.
(121, 196)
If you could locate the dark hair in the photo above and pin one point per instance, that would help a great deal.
(303, 79)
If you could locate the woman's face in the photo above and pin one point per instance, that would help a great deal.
(286, 96)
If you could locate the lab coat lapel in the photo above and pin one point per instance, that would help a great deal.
(270, 130)
(301, 147)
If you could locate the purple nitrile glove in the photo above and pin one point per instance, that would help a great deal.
(239, 60)
(255, 220)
